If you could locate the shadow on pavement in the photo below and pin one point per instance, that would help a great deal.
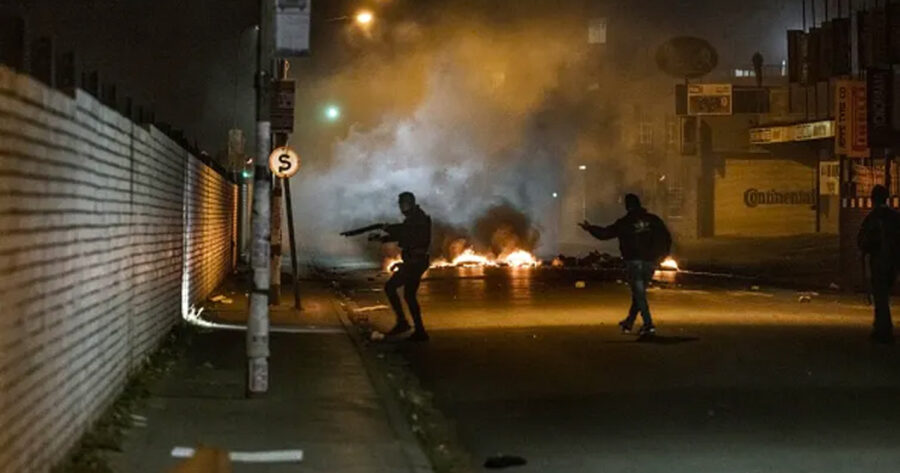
(656, 339)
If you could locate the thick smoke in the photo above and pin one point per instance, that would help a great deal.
(485, 128)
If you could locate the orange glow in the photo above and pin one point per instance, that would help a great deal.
(670, 264)
(365, 18)
(390, 264)
(521, 259)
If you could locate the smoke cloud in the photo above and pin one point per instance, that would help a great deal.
(484, 124)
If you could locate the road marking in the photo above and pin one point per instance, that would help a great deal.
(193, 317)
(273, 456)
(372, 308)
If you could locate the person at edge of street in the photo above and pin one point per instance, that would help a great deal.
(644, 241)
(879, 242)
(414, 238)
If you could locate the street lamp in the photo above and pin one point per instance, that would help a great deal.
(364, 18)
(583, 168)
(332, 113)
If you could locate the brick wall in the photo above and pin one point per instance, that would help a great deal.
(211, 205)
(101, 222)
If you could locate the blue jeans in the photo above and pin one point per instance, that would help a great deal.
(640, 273)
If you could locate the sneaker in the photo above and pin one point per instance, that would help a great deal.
(625, 327)
(399, 329)
(647, 330)
(419, 336)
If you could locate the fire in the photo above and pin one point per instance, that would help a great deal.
(390, 264)
(669, 263)
(521, 259)
(469, 258)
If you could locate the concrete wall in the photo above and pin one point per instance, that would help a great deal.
(99, 221)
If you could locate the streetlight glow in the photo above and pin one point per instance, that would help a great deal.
(332, 113)
(582, 167)
(365, 18)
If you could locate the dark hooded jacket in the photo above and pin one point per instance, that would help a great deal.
(642, 236)
(413, 235)
(879, 237)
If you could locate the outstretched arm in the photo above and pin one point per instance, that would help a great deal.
(598, 232)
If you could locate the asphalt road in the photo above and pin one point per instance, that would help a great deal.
(738, 380)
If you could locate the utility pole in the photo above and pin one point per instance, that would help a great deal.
(279, 139)
(258, 320)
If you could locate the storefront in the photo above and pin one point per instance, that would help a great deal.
(758, 195)
(791, 187)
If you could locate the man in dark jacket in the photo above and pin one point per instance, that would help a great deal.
(414, 238)
(644, 241)
(879, 242)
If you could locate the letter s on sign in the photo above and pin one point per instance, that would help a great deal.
(284, 163)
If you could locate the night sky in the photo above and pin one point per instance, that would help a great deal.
(193, 61)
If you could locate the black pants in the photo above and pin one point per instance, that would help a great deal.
(408, 276)
(882, 282)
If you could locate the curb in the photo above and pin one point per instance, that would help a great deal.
(412, 449)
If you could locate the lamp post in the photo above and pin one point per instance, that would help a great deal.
(583, 169)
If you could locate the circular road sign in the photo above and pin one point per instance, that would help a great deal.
(284, 162)
(686, 57)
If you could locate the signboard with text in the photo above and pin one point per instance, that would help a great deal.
(283, 106)
(851, 134)
(292, 26)
(709, 99)
(784, 134)
(879, 85)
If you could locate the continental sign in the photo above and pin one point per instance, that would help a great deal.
(785, 134)
(754, 198)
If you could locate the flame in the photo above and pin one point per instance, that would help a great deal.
(390, 264)
(469, 258)
(521, 259)
(669, 263)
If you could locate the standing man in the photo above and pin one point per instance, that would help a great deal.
(414, 238)
(879, 242)
(644, 241)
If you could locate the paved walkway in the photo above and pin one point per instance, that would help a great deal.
(321, 400)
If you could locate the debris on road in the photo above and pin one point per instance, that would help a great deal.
(593, 260)
(504, 461)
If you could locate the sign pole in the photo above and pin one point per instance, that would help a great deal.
(295, 268)
(284, 163)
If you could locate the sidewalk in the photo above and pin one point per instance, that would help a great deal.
(321, 399)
